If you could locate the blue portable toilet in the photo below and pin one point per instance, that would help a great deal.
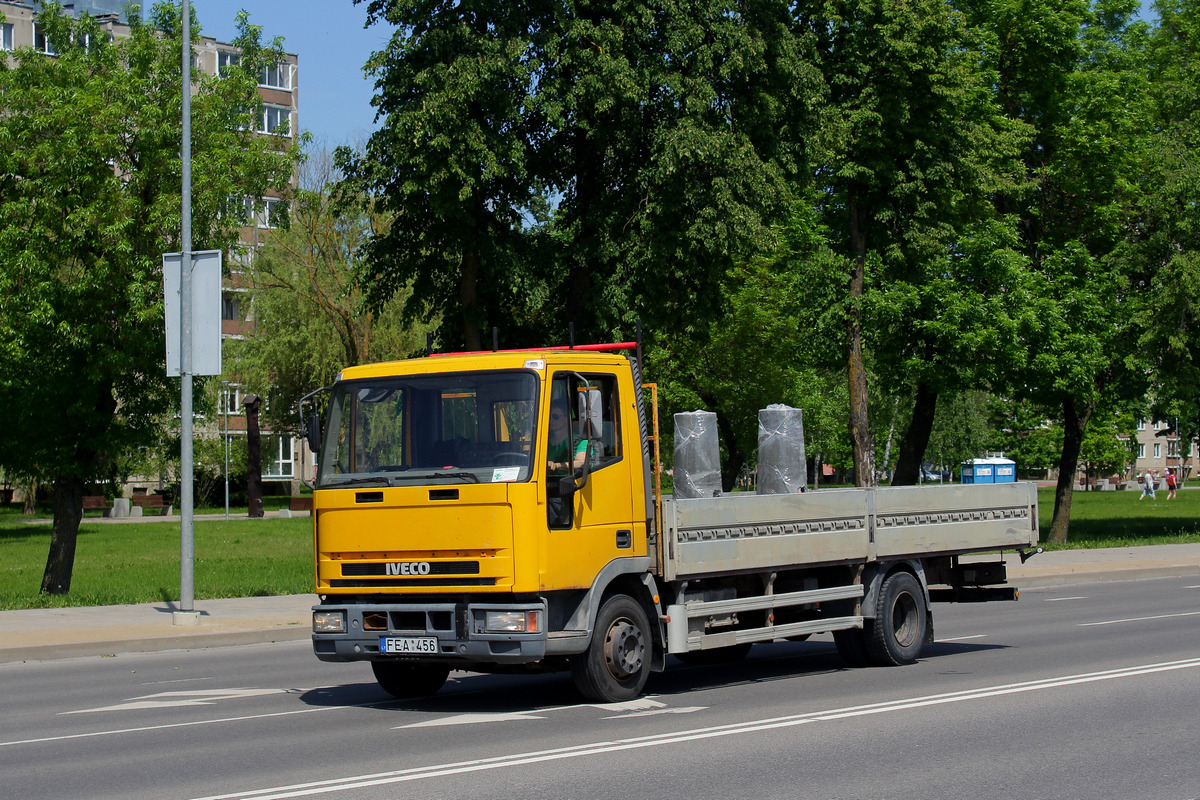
(989, 470)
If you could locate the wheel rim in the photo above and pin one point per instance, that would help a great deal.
(905, 620)
(624, 648)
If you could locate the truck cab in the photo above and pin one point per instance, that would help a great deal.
(471, 510)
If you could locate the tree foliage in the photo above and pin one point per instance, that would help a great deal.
(310, 318)
(90, 186)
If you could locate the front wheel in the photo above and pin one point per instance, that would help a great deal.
(901, 621)
(616, 664)
(409, 679)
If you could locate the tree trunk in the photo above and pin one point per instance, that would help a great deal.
(916, 438)
(253, 458)
(468, 300)
(856, 372)
(1074, 426)
(68, 512)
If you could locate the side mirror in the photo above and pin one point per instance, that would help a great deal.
(312, 432)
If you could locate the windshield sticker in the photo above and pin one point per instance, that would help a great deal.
(505, 474)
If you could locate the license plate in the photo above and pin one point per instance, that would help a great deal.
(408, 644)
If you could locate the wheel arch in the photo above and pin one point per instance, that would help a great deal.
(879, 572)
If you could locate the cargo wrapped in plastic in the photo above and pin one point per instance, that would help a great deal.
(697, 455)
(781, 465)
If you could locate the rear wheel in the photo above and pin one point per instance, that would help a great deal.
(617, 662)
(409, 679)
(901, 621)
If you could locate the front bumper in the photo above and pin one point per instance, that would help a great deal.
(458, 628)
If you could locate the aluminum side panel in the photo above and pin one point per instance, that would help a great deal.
(747, 532)
(933, 520)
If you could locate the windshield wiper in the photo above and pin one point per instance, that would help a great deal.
(469, 477)
(376, 480)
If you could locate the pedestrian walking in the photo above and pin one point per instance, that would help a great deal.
(1172, 484)
(1148, 485)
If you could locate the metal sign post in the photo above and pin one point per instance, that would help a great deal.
(186, 615)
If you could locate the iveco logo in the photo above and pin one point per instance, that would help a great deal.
(407, 568)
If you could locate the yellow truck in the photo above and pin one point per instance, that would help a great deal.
(500, 511)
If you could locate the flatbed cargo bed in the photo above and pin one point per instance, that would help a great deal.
(746, 532)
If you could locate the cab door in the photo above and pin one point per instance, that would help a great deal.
(590, 527)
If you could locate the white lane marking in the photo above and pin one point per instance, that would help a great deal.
(1139, 619)
(169, 725)
(640, 706)
(1059, 599)
(658, 740)
(474, 719)
(964, 638)
(183, 699)
(1197, 586)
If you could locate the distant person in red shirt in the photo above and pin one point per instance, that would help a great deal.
(1172, 485)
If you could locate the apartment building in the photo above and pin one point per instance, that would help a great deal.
(278, 88)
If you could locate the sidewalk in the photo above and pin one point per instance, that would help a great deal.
(41, 634)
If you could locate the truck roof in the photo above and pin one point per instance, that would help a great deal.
(469, 362)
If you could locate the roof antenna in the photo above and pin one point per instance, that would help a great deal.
(495, 339)
(571, 333)
(428, 343)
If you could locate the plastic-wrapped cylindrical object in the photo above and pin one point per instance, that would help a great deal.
(781, 465)
(697, 455)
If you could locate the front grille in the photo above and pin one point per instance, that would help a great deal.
(435, 568)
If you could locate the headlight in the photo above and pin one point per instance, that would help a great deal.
(329, 622)
(512, 622)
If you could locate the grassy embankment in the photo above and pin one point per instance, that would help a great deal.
(139, 562)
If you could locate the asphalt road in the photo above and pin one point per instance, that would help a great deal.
(1083, 691)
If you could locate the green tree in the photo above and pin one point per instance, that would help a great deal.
(310, 317)
(1075, 74)
(770, 346)
(1168, 239)
(911, 146)
(587, 162)
(451, 163)
(90, 183)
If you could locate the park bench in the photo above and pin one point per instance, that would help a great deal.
(151, 502)
(97, 503)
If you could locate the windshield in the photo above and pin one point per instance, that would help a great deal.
(430, 429)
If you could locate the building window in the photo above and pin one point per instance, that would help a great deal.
(6, 42)
(1141, 425)
(276, 76)
(271, 212)
(231, 401)
(40, 42)
(277, 456)
(1141, 451)
(1172, 448)
(229, 308)
(225, 60)
(276, 119)
(1157, 450)
(240, 209)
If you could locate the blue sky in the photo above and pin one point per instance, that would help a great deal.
(328, 36)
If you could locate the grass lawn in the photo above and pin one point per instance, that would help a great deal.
(1119, 519)
(139, 562)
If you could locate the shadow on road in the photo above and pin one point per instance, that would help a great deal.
(468, 692)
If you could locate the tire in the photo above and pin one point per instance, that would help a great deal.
(901, 621)
(852, 645)
(718, 655)
(408, 679)
(616, 664)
